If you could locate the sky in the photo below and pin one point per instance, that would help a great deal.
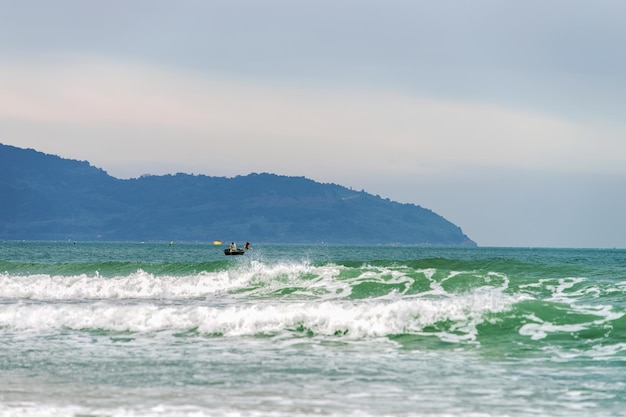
(506, 118)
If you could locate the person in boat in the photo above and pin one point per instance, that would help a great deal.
(247, 246)
(233, 246)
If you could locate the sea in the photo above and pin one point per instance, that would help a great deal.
(180, 329)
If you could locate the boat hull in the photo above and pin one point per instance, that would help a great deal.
(234, 251)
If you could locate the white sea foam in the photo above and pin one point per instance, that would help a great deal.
(564, 291)
(137, 285)
(34, 410)
(541, 330)
(598, 351)
(257, 277)
(371, 318)
(302, 278)
(249, 280)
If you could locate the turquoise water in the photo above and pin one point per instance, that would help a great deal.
(152, 329)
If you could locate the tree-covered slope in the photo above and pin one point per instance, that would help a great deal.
(45, 197)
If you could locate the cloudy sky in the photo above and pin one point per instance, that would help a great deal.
(507, 118)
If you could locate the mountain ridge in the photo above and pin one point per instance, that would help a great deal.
(47, 197)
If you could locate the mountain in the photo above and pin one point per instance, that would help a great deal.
(46, 197)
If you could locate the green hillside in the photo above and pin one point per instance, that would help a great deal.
(45, 197)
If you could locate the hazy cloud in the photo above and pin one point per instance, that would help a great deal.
(483, 111)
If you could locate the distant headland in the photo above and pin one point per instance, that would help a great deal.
(46, 197)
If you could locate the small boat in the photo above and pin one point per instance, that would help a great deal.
(234, 251)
